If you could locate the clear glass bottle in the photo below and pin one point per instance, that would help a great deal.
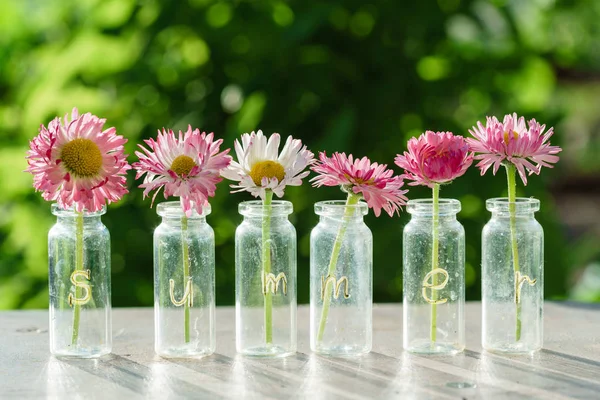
(341, 275)
(265, 280)
(434, 281)
(79, 284)
(512, 295)
(184, 283)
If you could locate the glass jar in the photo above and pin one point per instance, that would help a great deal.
(79, 284)
(265, 280)
(434, 278)
(341, 275)
(184, 283)
(512, 277)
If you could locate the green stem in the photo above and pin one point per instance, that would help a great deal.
(186, 275)
(78, 267)
(512, 208)
(435, 221)
(266, 263)
(335, 253)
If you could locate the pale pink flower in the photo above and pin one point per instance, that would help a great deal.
(77, 164)
(260, 166)
(435, 158)
(187, 167)
(510, 141)
(374, 182)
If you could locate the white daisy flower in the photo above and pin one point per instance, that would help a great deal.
(260, 166)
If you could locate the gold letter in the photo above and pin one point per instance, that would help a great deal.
(519, 281)
(83, 285)
(270, 283)
(188, 295)
(338, 286)
(430, 285)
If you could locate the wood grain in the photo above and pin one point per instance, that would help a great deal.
(567, 368)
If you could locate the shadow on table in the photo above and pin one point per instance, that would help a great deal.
(116, 373)
(374, 375)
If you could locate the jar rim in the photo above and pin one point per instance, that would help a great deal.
(70, 212)
(425, 206)
(173, 209)
(255, 208)
(339, 207)
(522, 204)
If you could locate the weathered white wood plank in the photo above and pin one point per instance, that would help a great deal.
(568, 367)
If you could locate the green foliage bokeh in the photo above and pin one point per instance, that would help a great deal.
(354, 76)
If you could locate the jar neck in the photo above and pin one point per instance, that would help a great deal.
(72, 217)
(259, 218)
(425, 209)
(172, 212)
(335, 211)
(337, 218)
(522, 207)
(180, 221)
(256, 210)
(88, 221)
(507, 215)
(426, 217)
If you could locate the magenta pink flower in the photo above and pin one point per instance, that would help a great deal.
(77, 164)
(374, 182)
(188, 167)
(511, 142)
(435, 158)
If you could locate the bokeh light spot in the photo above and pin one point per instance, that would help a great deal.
(219, 15)
(251, 112)
(534, 85)
(471, 205)
(362, 23)
(113, 13)
(148, 13)
(463, 29)
(282, 14)
(433, 68)
(167, 75)
(232, 98)
(194, 51)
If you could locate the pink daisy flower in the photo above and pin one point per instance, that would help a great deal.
(374, 182)
(77, 164)
(510, 141)
(260, 167)
(435, 158)
(188, 167)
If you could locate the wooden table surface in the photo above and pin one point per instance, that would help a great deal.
(568, 367)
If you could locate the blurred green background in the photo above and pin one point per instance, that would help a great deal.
(354, 76)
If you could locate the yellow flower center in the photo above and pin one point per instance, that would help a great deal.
(82, 158)
(267, 169)
(515, 135)
(182, 165)
(359, 181)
